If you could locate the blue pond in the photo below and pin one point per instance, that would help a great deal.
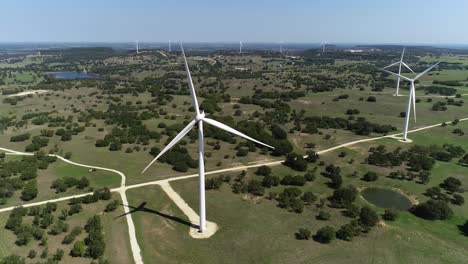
(73, 75)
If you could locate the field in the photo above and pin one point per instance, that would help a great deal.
(121, 121)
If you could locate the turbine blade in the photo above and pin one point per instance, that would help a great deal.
(403, 54)
(393, 64)
(396, 74)
(233, 131)
(414, 102)
(424, 72)
(173, 142)
(407, 67)
(190, 82)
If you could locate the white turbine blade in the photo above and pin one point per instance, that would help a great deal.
(233, 131)
(407, 67)
(173, 142)
(393, 64)
(424, 72)
(189, 79)
(403, 54)
(414, 101)
(396, 74)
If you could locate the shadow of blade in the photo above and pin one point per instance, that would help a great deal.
(142, 208)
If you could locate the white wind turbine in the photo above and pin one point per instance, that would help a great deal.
(240, 46)
(411, 97)
(170, 48)
(199, 120)
(136, 42)
(400, 63)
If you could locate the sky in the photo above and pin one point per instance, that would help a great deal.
(298, 21)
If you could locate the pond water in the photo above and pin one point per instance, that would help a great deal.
(386, 198)
(73, 75)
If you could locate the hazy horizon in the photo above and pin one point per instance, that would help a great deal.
(208, 21)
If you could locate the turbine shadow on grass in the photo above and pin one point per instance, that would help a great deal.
(142, 208)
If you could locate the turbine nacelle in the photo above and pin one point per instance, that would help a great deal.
(200, 116)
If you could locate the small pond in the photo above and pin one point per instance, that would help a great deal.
(73, 75)
(386, 198)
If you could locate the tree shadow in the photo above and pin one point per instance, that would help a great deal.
(142, 208)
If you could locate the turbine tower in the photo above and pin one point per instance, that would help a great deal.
(199, 120)
(170, 48)
(324, 43)
(400, 63)
(136, 42)
(411, 97)
(240, 46)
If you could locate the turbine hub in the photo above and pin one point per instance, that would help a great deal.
(200, 116)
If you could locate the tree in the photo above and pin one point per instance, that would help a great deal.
(458, 199)
(464, 160)
(325, 234)
(370, 176)
(112, 206)
(433, 210)
(312, 156)
(296, 162)
(263, 170)
(346, 232)
(464, 228)
(297, 205)
(32, 254)
(352, 211)
(335, 181)
(255, 187)
(309, 197)
(78, 249)
(213, 183)
(390, 215)
(29, 192)
(303, 234)
(269, 181)
(368, 217)
(451, 184)
(343, 197)
(309, 176)
(323, 215)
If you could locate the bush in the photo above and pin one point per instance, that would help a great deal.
(368, 217)
(263, 171)
(323, 215)
(78, 249)
(370, 176)
(213, 183)
(433, 210)
(458, 199)
(390, 215)
(309, 176)
(371, 99)
(347, 232)
(325, 235)
(296, 162)
(112, 206)
(303, 234)
(343, 197)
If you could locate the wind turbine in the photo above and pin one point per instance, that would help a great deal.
(199, 120)
(411, 97)
(240, 46)
(170, 48)
(324, 43)
(400, 63)
(136, 42)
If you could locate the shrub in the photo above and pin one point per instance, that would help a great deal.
(370, 176)
(390, 215)
(303, 234)
(433, 210)
(325, 235)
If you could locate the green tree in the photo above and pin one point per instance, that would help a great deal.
(79, 249)
(325, 235)
(303, 234)
(368, 217)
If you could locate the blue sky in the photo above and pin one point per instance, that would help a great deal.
(338, 21)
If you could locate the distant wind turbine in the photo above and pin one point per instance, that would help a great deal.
(170, 48)
(136, 42)
(324, 43)
(240, 46)
(199, 120)
(411, 97)
(400, 63)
